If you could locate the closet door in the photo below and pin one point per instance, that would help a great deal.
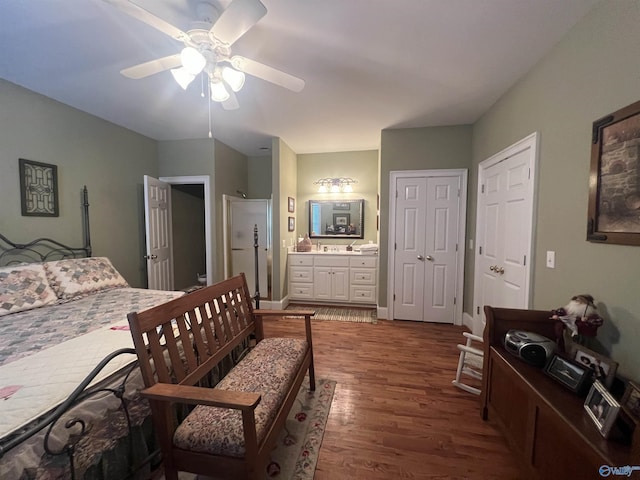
(426, 239)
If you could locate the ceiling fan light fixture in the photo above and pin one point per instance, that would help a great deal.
(218, 91)
(182, 77)
(234, 78)
(192, 60)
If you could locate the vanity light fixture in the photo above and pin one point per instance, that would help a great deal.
(335, 184)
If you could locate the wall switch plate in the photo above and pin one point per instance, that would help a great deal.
(551, 259)
(284, 244)
(471, 244)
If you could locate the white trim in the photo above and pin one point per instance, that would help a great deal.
(383, 312)
(462, 174)
(530, 142)
(206, 181)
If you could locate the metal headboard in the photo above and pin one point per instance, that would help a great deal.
(44, 249)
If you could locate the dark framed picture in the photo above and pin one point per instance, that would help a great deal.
(573, 376)
(631, 401)
(291, 204)
(38, 189)
(601, 407)
(602, 368)
(341, 219)
(292, 224)
(342, 206)
(614, 188)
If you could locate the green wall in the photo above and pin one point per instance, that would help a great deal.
(592, 72)
(259, 181)
(427, 148)
(359, 165)
(108, 159)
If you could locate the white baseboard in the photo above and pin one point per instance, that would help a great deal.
(273, 305)
(383, 312)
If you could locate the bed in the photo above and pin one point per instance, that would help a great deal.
(69, 402)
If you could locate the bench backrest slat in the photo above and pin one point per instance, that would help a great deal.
(195, 331)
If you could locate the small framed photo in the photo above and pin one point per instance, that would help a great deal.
(292, 224)
(341, 219)
(602, 368)
(631, 401)
(601, 407)
(570, 374)
(291, 204)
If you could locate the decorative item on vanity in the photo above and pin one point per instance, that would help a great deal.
(580, 317)
(530, 347)
(305, 244)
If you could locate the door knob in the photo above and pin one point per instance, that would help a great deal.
(150, 257)
(493, 268)
(500, 270)
(430, 258)
(420, 257)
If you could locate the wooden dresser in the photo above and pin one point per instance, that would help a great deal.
(544, 423)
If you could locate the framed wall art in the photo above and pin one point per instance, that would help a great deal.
(614, 179)
(292, 224)
(291, 204)
(38, 189)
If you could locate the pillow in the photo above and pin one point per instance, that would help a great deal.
(23, 287)
(76, 277)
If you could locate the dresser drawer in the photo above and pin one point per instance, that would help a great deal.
(362, 276)
(363, 294)
(368, 262)
(300, 274)
(301, 291)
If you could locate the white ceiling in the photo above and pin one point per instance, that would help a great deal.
(368, 65)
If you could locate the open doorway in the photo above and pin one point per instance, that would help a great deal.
(189, 249)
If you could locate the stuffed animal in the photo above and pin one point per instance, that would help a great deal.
(580, 316)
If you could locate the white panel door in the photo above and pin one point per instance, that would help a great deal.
(504, 229)
(409, 273)
(427, 219)
(157, 210)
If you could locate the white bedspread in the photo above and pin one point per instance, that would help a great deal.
(37, 383)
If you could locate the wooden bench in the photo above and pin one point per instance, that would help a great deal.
(234, 426)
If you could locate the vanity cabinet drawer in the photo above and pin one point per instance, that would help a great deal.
(362, 276)
(301, 291)
(301, 274)
(363, 294)
(331, 261)
(368, 262)
(301, 260)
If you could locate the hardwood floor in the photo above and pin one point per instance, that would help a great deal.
(395, 413)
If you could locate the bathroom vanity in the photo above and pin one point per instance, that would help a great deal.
(333, 277)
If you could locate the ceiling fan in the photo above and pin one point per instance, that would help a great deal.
(207, 50)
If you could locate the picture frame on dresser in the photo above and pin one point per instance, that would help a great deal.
(631, 401)
(571, 375)
(602, 408)
(602, 367)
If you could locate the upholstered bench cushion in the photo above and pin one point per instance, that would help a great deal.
(268, 369)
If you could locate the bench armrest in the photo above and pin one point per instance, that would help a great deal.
(202, 396)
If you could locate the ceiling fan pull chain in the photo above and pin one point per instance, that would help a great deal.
(202, 84)
(209, 100)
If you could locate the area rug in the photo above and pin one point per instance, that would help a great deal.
(296, 452)
(340, 314)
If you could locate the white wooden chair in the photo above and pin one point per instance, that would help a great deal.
(470, 362)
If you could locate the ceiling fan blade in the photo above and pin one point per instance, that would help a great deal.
(149, 18)
(265, 72)
(237, 19)
(154, 66)
(231, 103)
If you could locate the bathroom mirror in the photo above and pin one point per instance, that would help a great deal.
(336, 218)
